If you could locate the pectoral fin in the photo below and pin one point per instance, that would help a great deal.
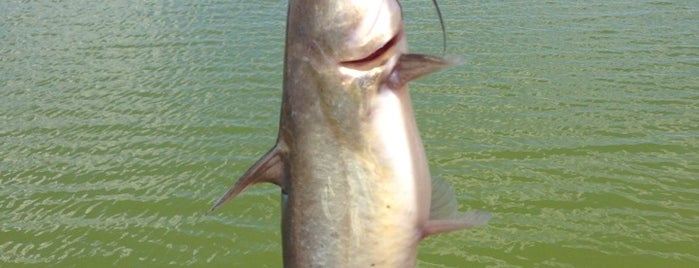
(444, 214)
(413, 66)
(270, 168)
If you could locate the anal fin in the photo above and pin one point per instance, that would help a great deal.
(444, 214)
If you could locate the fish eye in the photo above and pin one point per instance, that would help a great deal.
(376, 56)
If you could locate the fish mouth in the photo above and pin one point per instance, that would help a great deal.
(378, 57)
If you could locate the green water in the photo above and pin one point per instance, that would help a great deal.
(575, 123)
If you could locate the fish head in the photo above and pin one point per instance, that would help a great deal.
(347, 51)
(349, 44)
(345, 30)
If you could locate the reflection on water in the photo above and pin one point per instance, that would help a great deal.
(574, 123)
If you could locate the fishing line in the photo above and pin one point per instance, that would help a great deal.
(441, 23)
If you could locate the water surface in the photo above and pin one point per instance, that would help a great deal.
(575, 124)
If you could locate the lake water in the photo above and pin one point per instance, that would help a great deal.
(576, 123)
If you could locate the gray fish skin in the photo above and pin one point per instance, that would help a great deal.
(356, 186)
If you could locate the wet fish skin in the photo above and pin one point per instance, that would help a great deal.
(356, 186)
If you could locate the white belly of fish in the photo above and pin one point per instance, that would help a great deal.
(404, 195)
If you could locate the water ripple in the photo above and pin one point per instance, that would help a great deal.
(574, 123)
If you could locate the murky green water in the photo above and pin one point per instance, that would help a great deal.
(575, 123)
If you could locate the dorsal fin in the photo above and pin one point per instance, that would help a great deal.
(269, 168)
(444, 213)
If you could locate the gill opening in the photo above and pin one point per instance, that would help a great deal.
(374, 55)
